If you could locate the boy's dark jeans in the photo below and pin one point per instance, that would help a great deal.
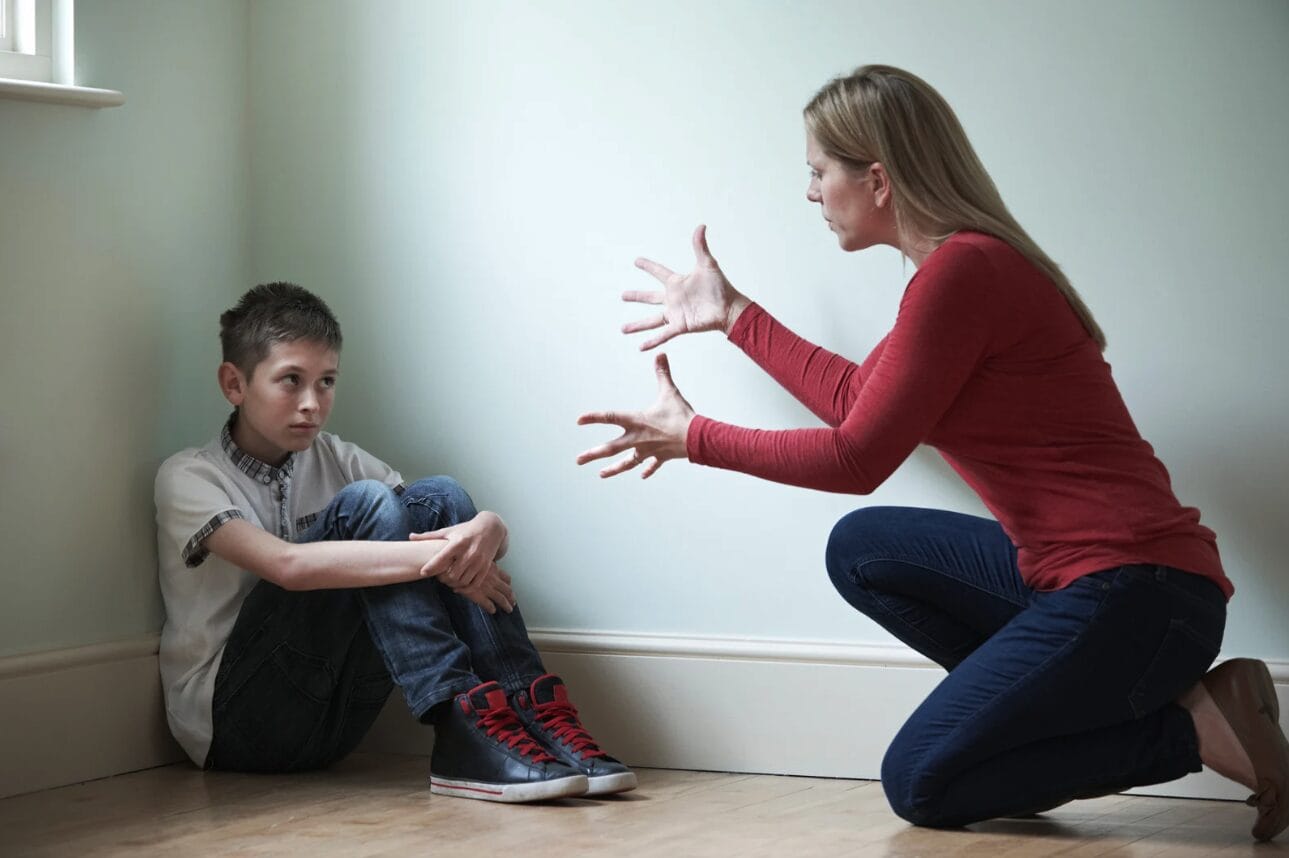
(304, 674)
(1050, 696)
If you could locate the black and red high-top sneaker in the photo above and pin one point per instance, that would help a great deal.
(482, 750)
(547, 713)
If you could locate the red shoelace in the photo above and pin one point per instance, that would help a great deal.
(565, 727)
(504, 725)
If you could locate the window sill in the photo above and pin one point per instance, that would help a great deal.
(53, 93)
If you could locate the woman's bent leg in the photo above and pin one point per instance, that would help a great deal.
(1072, 698)
(941, 582)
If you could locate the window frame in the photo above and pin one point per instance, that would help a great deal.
(29, 53)
(6, 26)
(43, 66)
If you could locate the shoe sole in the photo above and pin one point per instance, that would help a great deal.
(606, 784)
(509, 793)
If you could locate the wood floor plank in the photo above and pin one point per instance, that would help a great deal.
(379, 805)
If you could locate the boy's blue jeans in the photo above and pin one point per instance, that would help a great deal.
(304, 674)
(1050, 696)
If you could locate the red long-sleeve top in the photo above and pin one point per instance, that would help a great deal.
(987, 363)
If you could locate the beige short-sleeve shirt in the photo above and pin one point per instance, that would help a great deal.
(197, 491)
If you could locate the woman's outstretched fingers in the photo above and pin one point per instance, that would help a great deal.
(612, 448)
(634, 296)
(613, 418)
(645, 324)
(621, 466)
(662, 367)
(701, 253)
(661, 273)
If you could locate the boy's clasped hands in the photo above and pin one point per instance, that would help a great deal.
(467, 560)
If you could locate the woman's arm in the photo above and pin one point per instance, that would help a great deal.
(943, 332)
(704, 300)
(826, 383)
(941, 335)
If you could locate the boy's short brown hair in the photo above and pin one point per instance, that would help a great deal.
(274, 313)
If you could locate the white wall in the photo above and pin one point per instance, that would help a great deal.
(122, 236)
(468, 185)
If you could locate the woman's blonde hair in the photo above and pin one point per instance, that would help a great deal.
(938, 185)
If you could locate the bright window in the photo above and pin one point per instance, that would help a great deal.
(31, 40)
(37, 55)
(6, 37)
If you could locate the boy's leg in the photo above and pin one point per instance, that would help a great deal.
(403, 626)
(410, 623)
(299, 683)
(941, 582)
(501, 650)
(1073, 698)
(302, 680)
(498, 644)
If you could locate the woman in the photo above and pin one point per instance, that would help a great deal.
(1078, 626)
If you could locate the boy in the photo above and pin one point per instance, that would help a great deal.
(302, 580)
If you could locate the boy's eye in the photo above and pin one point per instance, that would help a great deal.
(329, 381)
(291, 379)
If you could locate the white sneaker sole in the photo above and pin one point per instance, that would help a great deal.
(605, 784)
(510, 793)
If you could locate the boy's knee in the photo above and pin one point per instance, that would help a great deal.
(444, 495)
(367, 493)
(368, 506)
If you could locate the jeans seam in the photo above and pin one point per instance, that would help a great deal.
(498, 647)
(855, 570)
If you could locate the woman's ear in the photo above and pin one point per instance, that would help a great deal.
(881, 185)
(231, 383)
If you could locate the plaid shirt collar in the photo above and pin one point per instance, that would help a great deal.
(259, 471)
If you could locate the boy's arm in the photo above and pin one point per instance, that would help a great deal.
(341, 563)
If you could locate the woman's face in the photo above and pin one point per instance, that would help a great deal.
(856, 204)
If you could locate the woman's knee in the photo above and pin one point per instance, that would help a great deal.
(853, 540)
(906, 789)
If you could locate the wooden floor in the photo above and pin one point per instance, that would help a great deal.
(375, 804)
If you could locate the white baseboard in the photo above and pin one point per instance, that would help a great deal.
(811, 708)
(724, 704)
(78, 714)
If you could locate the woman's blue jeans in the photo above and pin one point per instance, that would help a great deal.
(304, 674)
(1050, 696)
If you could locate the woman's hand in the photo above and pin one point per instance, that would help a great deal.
(657, 433)
(702, 300)
(472, 547)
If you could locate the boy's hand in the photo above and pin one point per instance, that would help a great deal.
(491, 591)
(472, 547)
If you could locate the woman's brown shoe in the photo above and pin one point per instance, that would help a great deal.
(1246, 696)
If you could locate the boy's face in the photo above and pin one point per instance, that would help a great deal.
(286, 401)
